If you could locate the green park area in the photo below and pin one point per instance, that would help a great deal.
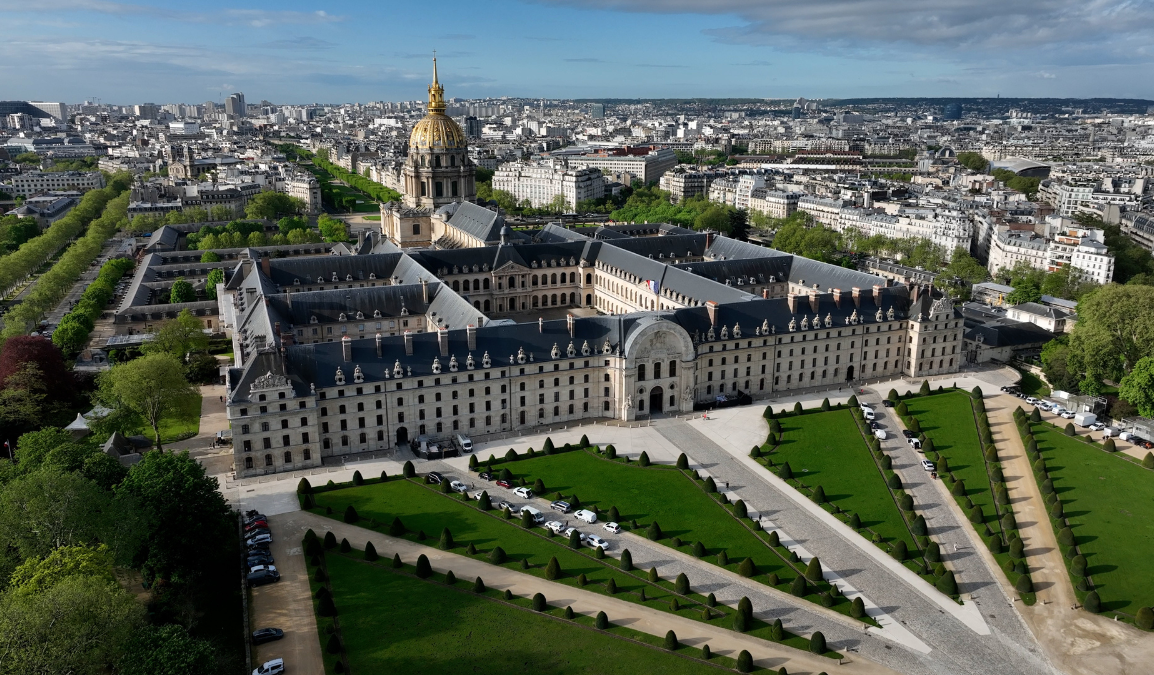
(422, 513)
(182, 421)
(826, 449)
(1107, 501)
(461, 628)
(956, 436)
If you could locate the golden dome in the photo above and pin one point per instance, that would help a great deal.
(436, 130)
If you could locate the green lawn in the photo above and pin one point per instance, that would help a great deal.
(1032, 385)
(396, 623)
(184, 423)
(827, 449)
(371, 217)
(422, 509)
(949, 420)
(1109, 503)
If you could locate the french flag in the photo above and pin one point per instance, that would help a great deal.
(653, 286)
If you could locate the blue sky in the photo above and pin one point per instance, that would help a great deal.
(301, 52)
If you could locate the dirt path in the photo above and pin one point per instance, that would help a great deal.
(1075, 640)
(695, 633)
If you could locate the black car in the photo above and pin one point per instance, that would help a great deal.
(257, 549)
(485, 475)
(435, 478)
(907, 433)
(263, 577)
(254, 559)
(887, 403)
(259, 637)
(875, 425)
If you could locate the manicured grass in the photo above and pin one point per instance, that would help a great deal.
(1032, 385)
(424, 509)
(827, 449)
(1109, 503)
(949, 420)
(396, 623)
(371, 217)
(182, 424)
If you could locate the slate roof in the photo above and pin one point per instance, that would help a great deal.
(478, 221)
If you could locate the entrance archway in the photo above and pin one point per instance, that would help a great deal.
(849, 374)
(402, 435)
(656, 396)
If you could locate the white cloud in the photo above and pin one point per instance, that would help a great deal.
(256, 18)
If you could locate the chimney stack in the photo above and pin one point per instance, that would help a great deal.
(856, 296)
(708, 240)
(711, 307)
(792, 299)
(914, 293)
(569, 321)
(425, 290)
(471, 334)
(765, 293)
(443, 340)
(378, 345)
(408, 343)
(878, 295)
(813, 300)
(540, 325)
(265, 266)
(837, 297)
(347, 348)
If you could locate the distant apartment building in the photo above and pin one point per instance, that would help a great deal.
(234, 105)
(1081, 248)
(307, 189)
(146, 111)
(58, 111)
(746, 185)
(541, 183)
(1009, 247)
(647, 164)
(682, 182)
(1140, 228)
(1065, 198)
(824, 211)
(37, 182)
(773, 203)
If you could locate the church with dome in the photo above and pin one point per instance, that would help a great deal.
(439, 207)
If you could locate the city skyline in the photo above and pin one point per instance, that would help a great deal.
(74, 50)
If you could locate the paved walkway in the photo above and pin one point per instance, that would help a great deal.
(695, 633)
(1076, 640)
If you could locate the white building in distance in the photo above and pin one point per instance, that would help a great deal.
(541, 183)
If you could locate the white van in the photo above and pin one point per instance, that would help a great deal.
(537, 516)
(465, 442)
(586, 516)
(880, 434)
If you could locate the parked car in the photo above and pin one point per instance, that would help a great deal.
(504, 483)
(274, 667)
(868, 414)
(570, 530)
(1066, 415)
(1097, 426)
(263, 635)
(253, 516)
(485, 475)
(561, 506)
(612, 527)
(262, 568)
(465, 442)
(927, 465)
(555, 526)
(257, 549)
(258, 525)
(908, 434)
(523, 492)
(888, 403)
(435, 478)
(880, 434)
(875, 425)
(914, 443)
(536, 515)
(596, 542)
(586, 516)
(864, 407)
(260, 558)
(261, 538)
(263, 577)
(502, 505)
(1031, 400)
(458, 486)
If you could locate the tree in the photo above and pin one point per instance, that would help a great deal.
(744, 662)
(48, 509)
(80, 625)
(817, 643)
(602, 621)
(552, 569)
(1145, 619)
(1092, 603)
(167, 649)
(813, 570)
(333, 229)
(654, 531)
(1137, 387)
(181, 291)
(178, 337)
(946, 584)
(799, 587)
(626, 560)
(271, 205)
(215, 277)
(151, 386)
(1115, 330)
(209, 257)
(182, 509)
(36, 575)
(424, 569)
(670, 641)
(857, 608)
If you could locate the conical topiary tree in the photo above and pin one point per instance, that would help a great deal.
(1108, 446)
(497, 555)
(744, 662)
(959, 489)
(785, 472)
(370, 552)
(682, 462)
(819, 495)
(925, 388)
(446, 542)
(351, 514)
(747, 568)
(1078, 565)
(408, 471)
(1148, 460)
(334, 644)
(857, 608)
(947, 584)
(813, 570)
(330, 540)
(626, 562)
(776, 631)
(740, 622)
(855, 521)
(643, 460)
(671, 640)
(653, 531)
(396, 528)
(825, 404)
(723, 559)
(900, 550)
(710, 485)
(1093, 603)
(797, 408)
(539, 604)
(424, 569)
(357, 478)
(1145, 618)
(919, 526)
(817, 643)
(698, 549)
(933, 552)
(894, 481)
(740, 510)
(602, 621)
(799, 587)
(548, 448)
(304, 487)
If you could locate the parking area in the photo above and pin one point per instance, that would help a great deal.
(287, 604)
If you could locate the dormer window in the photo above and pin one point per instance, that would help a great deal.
(313, 319)
(296, 282)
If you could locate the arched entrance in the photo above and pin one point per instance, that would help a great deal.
(402, 435)
(656, 395)
(849, 374)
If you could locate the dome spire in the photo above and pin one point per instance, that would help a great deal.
(436, 92)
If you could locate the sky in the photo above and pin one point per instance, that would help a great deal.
(299, 51)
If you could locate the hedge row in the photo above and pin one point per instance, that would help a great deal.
(323, 603)
(78, 323)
